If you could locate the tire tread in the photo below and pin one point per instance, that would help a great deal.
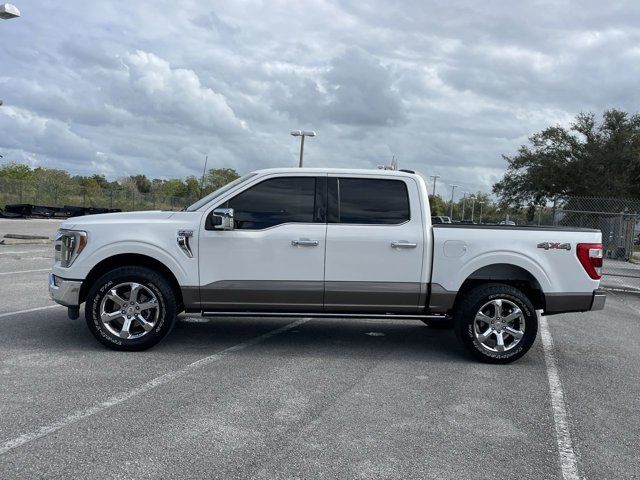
(134, 273)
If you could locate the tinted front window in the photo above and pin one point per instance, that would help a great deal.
(369, 201)
(275, 201)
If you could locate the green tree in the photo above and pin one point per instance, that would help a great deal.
(16, 171)
(142, 183)
(174, 188)
(218, 177)
(48, 184)
(438, 205)
(587, 159)
(192, 187)
(105, 184)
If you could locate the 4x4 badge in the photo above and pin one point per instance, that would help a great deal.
(554, 246)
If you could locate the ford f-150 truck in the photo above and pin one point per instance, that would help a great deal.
(322, 242)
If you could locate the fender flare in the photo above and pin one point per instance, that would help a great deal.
(141, 248)
(528, 264)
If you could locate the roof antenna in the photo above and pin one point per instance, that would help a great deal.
(392, 166)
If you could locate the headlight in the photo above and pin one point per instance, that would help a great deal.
(68, 245)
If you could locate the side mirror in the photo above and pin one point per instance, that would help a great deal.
(220, 219)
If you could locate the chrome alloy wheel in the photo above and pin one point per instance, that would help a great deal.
(129, 310)
(499, 325)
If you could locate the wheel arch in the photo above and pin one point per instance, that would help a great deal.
(127, 260)
(509, 274)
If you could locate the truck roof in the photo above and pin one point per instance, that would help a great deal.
(346, 171)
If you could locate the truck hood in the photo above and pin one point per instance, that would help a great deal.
(77, 223)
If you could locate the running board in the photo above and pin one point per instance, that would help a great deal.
(377, 316)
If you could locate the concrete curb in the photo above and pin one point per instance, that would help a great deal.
(20, 236)
(12, 241)
(19, 239)
(621, 289)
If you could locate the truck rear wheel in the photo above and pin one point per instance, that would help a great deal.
(496, 323)
(130, 308)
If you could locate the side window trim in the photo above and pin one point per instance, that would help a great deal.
(320, 207)
(333, 200)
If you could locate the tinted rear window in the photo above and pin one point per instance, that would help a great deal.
(372, 201)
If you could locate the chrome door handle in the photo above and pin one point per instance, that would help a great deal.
(305, 242)
(403, 244)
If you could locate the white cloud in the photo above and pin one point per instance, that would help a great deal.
(176, 94)
(448, 87)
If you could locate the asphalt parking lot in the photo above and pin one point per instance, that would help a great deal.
(282, 398)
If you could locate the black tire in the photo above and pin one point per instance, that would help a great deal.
(439, 324)
(470, 306)
(162, 316)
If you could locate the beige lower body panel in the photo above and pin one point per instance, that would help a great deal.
(306, 296)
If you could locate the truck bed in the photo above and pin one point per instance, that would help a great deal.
(544, 254)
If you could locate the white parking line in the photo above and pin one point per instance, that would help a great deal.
(143, 388)
(26, 271)
(568, 462)
(8, 314)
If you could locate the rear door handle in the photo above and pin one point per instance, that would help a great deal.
(305, 242)
(403, 244)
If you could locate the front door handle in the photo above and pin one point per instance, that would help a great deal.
(305, 242)
(403, 244)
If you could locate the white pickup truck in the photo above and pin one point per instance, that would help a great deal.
(322, 242)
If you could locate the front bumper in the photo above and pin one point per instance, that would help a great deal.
(63, 291)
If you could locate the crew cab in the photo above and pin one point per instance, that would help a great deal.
(322, 242)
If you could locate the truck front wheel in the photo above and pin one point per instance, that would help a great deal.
(130, 308)
(496, 323)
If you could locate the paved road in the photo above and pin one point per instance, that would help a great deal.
(621, 275)
(267, 398)
(29, 227)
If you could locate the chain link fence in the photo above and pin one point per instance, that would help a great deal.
(51, 194)
(619, 222)
(617, 219)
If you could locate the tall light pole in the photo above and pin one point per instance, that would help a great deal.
(464, 202)
(435, 179)
(453, 187)
(8, 11)
(473, 206)
(302, 134)
(0, 106)
(481, 203)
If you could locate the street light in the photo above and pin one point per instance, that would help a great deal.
(302, 134)
(435, 178)
(453, 187)
(473, 206)
(464, 203)
(8, 11)
(481, 203)
(0, 106)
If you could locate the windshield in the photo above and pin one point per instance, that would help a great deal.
(216, 193)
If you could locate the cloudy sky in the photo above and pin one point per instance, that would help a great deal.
(446, 86)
